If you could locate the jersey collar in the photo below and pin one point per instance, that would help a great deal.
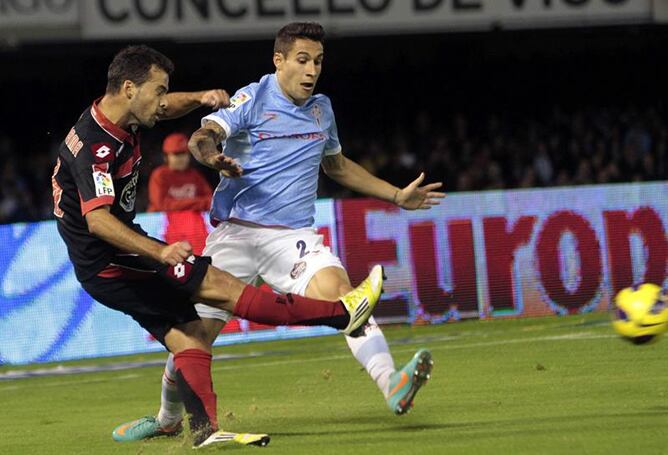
(107, 125)
(277, 88)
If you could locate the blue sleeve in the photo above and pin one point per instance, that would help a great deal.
(332, 146)
(237, 116)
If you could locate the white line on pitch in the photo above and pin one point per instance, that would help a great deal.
(260, 364)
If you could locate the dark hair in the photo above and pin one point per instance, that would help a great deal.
(287, 35)
(134, 64)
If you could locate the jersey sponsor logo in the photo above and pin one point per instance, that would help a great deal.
(102, 151)
(309, 136)
(129, 193)
(104, 185)
(303, 136)
(270, 115)
(73, 143)
(237, 100)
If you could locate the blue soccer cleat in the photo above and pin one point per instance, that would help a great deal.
(144, 428)
(405, 383)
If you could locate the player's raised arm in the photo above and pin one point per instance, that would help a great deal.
(351, 175)
(181, 103)
(203, 144)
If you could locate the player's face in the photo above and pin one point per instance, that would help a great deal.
(178, 161)
(149, 100)
(299, 71)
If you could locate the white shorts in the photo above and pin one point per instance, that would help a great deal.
(285, 259)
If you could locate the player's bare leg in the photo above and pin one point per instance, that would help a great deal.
(212, 328)
(328, 283)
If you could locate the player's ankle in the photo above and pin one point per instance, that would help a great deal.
(168, 422)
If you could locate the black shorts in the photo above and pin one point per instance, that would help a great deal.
(157, 296)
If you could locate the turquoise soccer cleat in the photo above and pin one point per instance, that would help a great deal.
(405, 383)
(144, 428)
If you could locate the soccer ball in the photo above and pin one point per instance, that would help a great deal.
(641, 313)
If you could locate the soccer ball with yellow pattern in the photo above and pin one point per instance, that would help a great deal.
(641, 313)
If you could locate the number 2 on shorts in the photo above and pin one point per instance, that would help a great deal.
(301, 246)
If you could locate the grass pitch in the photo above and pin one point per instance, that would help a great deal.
(531, 386)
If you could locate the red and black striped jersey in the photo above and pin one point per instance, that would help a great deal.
(98, 165)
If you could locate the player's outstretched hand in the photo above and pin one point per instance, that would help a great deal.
(215, 99)
(415, 196)
(176, 253)
(227, 166)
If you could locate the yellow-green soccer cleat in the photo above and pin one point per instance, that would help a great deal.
(247, 439)
(361, 301)
(405, 383)
(144, 428)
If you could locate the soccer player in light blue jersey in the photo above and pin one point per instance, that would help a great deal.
(279, 133)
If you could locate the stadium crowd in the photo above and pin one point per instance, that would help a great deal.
(507, 150)
(468, 152)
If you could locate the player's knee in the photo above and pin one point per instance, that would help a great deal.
(329, 283)
(212, 328)
(219, 281)
(191, 335)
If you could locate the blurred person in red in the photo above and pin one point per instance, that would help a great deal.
(182, 191)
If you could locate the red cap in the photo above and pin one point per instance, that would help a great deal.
(175, 143)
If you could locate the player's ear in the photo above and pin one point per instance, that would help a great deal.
(278, 60)
(129, 89)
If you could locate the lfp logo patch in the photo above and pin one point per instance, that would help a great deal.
(104, 185)
(237, 100)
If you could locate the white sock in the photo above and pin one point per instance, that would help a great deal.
(372, 352)
(171, 406)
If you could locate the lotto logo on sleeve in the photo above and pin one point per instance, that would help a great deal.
(104, 185)
(102, 151)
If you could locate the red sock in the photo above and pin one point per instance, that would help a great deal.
(275, 309)
(193, 377)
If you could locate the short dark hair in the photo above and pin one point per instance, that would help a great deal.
(134, 64)
(288, 34)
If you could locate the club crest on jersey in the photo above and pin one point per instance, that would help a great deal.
(104, 185)
(237, 100)
(129, 193)
(316, 112)
(298, 269)
(102, 151)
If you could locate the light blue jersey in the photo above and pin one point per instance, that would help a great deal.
(280, 146)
